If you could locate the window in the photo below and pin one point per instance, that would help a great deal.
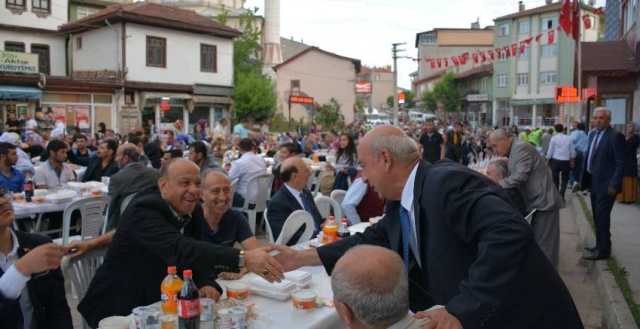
(78, 43)
(524, 54)
(548, 78)
(548, 23)
(156, 52)
(208, 58)
(41, 5)
(16, 4)
(523, 79)
(502, 56)
(43, 57)
(524, 27)
(17, 47)
(474, 84)
(502, 80)
(485, 84)
(86, 11)
(428, 38)
(628, 13)
(503, 30)
(376, 77)
(549, 50)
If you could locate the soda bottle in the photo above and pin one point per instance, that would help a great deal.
(28, 186)
(330, 230)
(170, 287)
(188, 303)
(316, 158)
(343, 232)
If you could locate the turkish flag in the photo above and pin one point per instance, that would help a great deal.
(507, 51)
(514, 49)
(499, 52)
(599, 11)
(439, 62)
(446, 62)
(463, 59)
(455, 61)
(491, 54)
(565, 16)
(522, 46)
(475, 58)
(538, 37)
(528, 41)
(483, 56)
(432, 63)
(587, 21)
(551, 35)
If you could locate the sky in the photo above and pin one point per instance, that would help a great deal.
(366, 29)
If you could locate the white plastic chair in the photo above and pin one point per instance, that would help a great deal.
(338, 195)
(125, 202)
(326, 204)
(314, 182)
(268, 226)
(36, 161)
(93, 213)
(233, 189)
(293, 223)
(262, 185)
(331, 159)
(81, 271)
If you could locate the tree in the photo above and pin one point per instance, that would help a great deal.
(329, 113)
(429, 101)
(447, 94)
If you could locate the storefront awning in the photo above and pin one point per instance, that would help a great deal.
(213, 99)
(20, 92)
(185, 97)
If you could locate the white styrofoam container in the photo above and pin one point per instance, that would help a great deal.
(278, 290)
(300, 278)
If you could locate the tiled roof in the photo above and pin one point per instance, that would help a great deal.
(291, 48)
(476, 70)
(607, 56)
(154, 15)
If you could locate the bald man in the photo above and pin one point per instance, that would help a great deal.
(372, 299)
(293, 195)
(465, 247)
(156, 231)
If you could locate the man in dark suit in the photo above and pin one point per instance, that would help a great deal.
(603, 175)
(292, 196)
(101, 164)
(464, 245)
(32, 291)
(149, 238)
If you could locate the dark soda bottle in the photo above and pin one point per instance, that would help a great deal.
(343, 232)
(188, 303)
(28, 187)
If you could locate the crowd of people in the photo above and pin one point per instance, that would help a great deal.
(459, 236)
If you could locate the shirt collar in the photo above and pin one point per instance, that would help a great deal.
(16, 245)
(407, 193)
(292, 190)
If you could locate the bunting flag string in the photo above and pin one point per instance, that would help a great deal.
(491, 55)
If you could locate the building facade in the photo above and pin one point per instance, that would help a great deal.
(381, 79)
(476, 88)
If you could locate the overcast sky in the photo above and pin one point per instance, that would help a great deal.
(365, 29)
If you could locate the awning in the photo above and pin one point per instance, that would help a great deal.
(20, 92)
(186, 97)
(213, 99)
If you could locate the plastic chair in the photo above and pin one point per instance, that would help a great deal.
(268, 226)
(261, 185)
(233, 189)
(331, 159)
(338, 195)
(125, 202)
(293, 223)
(81, 271)
(314, 182)
(529, 216)
(326, 204)
(93, 212)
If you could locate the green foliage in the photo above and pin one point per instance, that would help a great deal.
(446, 93)
(429, 101)
(408, 101)
(329, 114)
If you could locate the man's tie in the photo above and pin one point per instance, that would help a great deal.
(307, 208)
(405, 222)
(592, 153)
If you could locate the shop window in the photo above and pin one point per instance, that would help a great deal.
(17, 47)
(208, 58)
(156, 52)
(105, 99)
(16, 4)
(41, 5)
(43, 57)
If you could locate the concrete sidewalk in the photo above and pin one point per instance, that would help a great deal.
(625, 236)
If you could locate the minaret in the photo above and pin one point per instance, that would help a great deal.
(271, 50)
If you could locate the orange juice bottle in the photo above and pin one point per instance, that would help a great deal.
(170, 288)
(330, 231)
(316, 158)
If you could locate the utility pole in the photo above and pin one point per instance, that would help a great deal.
(395, 52)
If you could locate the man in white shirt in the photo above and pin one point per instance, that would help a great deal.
(55, 172)
(372, 299)
(221, 129)
(248, 166)
(561, 157)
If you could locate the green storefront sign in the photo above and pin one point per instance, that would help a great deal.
(18, 62)
(523, 102)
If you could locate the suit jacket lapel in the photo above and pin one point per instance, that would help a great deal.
(393, 223)
(292, 198)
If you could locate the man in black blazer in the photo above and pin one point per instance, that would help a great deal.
(289, 198)
(101, 164)
(603, 175)
(464, 245)
(30, 275)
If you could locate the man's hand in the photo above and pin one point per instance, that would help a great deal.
(210, 292)
(293, 259)
(612, 191)
(44, 257)
(439, 319)
(78, 248)
(231, 275)
(259, 262)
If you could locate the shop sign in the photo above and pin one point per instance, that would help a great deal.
(18, 62)
(478, 98)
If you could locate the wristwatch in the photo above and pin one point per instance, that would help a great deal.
(241, 260)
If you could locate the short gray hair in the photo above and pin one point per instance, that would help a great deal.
(602, 109)
(377, 299)
(401, 146)
(213, 171)
(500, 168)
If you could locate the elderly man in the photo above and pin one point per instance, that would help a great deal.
(372, 299)
(149, 238)
(498, 170)
(248, 166)
(603, 175)
(529, 174)
(292, 196)
(32, 291)
(11, 179)
(464, 245)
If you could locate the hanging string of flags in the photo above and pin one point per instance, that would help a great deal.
(497, 53)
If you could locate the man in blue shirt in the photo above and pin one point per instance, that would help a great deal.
(11, 179)
(580, 140)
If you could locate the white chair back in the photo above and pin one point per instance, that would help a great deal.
(338, 195)
(328, 207)
(93, 212)
(268, 226)
(262, 187)
(331, 159)
(293, 223)
(125, 202)
(314, 182)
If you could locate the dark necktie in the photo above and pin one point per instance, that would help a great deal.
(405, 222)
(593, 152)
(307, 208)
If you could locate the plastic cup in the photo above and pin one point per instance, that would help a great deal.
(18, 197)
(238, 290)
(237, 315)
(96, 192)
(206, 309)
(304, 299)
(168, 321)
(114, 322)
(105, 180)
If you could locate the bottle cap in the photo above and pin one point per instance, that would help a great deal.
(344, 220)
(172, 270)
(187, 273)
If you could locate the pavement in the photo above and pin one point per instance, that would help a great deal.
(625, 233)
